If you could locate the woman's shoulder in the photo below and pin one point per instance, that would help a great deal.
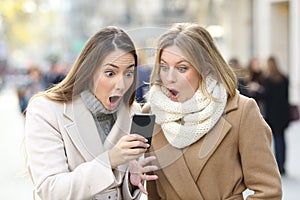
(248, 105)
(42, 103)
(243, 108)
(242, 98)
(240, 101)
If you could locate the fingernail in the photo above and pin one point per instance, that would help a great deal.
(146, 140)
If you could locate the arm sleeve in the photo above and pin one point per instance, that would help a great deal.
(127, 193)
(48, 163)
(258, 162)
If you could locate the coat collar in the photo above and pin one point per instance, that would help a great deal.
(83, 131)
(232, 104)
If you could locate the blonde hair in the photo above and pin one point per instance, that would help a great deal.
(80, 77)
(198, 47)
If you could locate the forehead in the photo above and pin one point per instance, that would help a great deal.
(174, 52)
(119, 57)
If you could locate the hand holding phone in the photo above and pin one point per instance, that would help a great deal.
(143, 124)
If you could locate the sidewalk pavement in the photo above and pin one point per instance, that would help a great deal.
(15, 183)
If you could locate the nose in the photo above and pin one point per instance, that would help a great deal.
(171, 75)
(120, 84)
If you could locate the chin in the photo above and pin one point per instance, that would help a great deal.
(107, 106)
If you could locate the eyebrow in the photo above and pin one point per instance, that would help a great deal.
(115, 66)
(181, 61)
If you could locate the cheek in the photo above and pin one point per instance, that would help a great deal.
(128, 83)
(191, 84)
(194, 80)
(102, 87)
(188, 81)
(194, 83)
(163, 76)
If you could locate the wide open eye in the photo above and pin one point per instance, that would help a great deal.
(182, 69)
(129, 73)
(164, 67)
(109, 73)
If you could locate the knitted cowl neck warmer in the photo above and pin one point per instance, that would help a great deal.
(185, 123)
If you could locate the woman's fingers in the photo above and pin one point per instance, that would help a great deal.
(149, 177)
(143, 166)
(136, 137)
(135, 141)
(142, 188)
(149, 168)
(147, 160)
(138, 144)
(129, 147)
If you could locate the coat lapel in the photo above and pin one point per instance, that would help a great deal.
(203, 149)
(173, 164)
(200, 152)
(82, 130)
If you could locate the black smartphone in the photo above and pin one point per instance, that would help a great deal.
(143, 124)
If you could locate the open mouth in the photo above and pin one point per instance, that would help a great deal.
(114, 100)
(173, 93)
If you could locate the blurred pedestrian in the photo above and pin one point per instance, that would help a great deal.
(35, 84)
(276, 95)
(77, 132)
(144, 72)
(55, 75)
(241, 75)
(211, 142)
(254, 82)
(3, 66)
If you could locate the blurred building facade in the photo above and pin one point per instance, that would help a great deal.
(241, 28)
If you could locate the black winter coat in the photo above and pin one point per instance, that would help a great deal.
(276, 103)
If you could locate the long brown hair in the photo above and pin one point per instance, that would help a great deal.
(80, 77)
(198, 47)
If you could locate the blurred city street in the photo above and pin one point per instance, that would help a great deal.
(15, 183)
(37, 50)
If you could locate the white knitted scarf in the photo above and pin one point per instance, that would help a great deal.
(185, 123)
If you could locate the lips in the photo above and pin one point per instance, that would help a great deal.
(173, 93)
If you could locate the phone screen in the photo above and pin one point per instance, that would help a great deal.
(143, 124)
